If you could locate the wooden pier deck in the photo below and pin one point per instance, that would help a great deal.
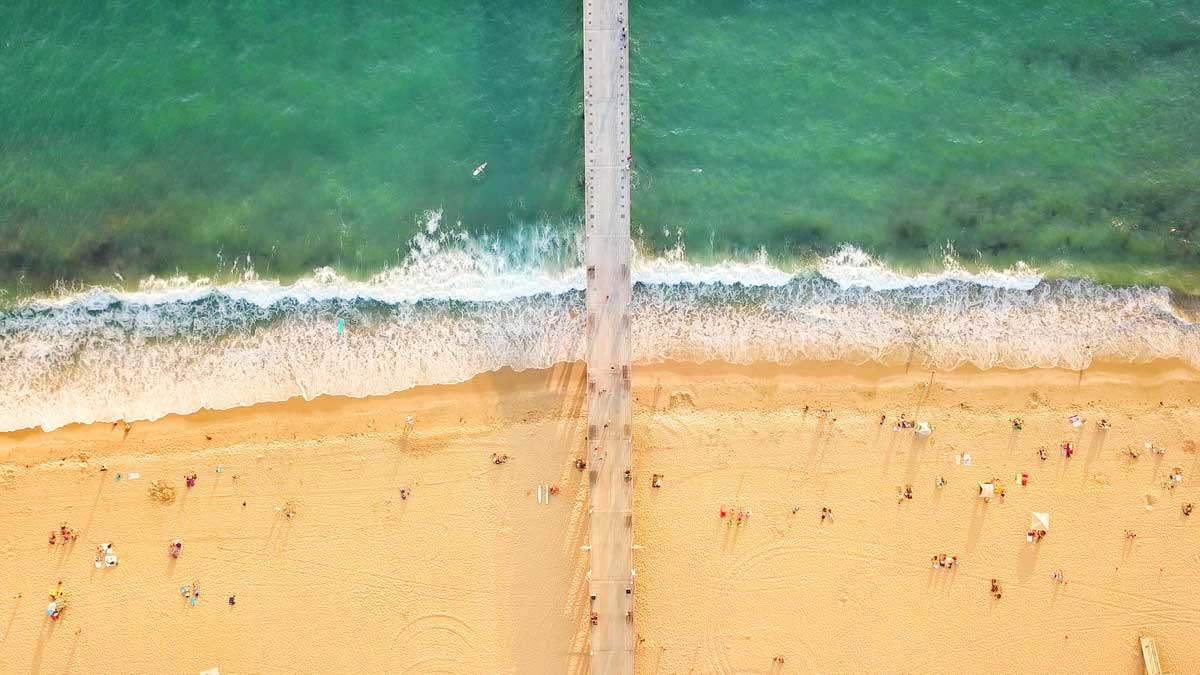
(609, 405)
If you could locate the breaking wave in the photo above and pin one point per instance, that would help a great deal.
(460, 306)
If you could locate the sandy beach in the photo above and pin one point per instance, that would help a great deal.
(471, 574)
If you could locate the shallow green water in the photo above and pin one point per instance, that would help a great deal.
(141, 137)
(1018, 130)
(145, 138)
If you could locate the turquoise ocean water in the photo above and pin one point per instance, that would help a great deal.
(193, 193)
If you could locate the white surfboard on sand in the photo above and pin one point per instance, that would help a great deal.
(479, 169)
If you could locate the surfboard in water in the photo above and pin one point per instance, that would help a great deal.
(479, 169)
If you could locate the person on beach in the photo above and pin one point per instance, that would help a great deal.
(656, 480)
(1187, 509)
(1130, 535)
(1018, 423)
(232, 600)
(995, 589)
(403, 494)
(1068, 449)
(1057, 577)
(826, 514)
(580, 464)
(1104, 424)
(176, 548)
(1042, 454)
(190, 479)
(53, 537)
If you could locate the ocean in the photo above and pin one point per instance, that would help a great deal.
(207, 205)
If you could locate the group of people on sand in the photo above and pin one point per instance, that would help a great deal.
(105, 556)
(902, 423)
(58, 602)
(68, 535)
(1034, 535)
(742, 515)
(498, 458)
(942, 561)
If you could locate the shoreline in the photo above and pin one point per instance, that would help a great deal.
(846, 372)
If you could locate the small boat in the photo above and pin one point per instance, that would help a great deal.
(479, 169)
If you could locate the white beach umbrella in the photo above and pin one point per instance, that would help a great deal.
(987, 490)
(1039, 521)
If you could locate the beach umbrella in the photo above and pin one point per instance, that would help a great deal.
(52, 608)
(923, 429)
(1039, 521)
(987, 490)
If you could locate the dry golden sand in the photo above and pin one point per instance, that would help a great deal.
(472, 575)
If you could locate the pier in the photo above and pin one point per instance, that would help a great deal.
(609, 384)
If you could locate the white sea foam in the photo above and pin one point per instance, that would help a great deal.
(459, 306)
(852, 267)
